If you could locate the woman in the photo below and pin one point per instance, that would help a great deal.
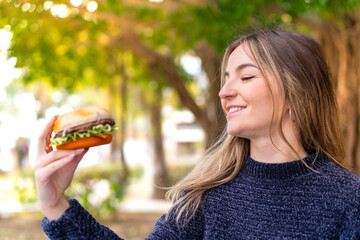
(275, 173)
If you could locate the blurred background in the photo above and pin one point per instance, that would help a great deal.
(155, 64)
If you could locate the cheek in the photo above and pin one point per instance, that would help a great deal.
(270, 106)
(264, 109)
(262, 102)
(260, 95)
(223, 104)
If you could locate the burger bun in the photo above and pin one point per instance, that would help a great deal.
(81, 116)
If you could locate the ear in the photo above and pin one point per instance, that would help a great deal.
(287, 105)
(287, 110)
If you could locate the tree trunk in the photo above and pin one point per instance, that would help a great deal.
(119, 89)
(214, 116)
(42, 96)
(161, 177)
(158, 64)
(123, 112)
(207, 117)
(341, 46)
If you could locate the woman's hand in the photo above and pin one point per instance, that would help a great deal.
(54, 171)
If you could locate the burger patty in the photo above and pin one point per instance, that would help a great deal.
(84, 127)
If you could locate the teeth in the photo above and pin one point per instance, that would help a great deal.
(235, 109)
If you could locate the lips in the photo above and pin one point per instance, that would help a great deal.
(233, 109)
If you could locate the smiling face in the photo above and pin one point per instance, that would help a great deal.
(246, 97)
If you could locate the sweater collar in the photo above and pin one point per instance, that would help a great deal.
(283, 170)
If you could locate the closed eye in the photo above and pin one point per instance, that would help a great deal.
(247, 78)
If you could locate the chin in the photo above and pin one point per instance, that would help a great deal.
(242, 133)
(234, 132)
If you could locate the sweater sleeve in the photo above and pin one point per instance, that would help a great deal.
(169, 229)
(76, 224)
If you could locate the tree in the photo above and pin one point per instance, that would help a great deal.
(333, 24)
(158, 34)
(336, 27)
(340, 44)
(61, 50)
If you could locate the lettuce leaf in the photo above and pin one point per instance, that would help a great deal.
(95, 130)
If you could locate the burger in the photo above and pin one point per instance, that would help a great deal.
(82, 128)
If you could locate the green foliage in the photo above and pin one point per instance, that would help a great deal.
(99, 189)
(219, 23)
(59, 51)
(24, 186)
(78, 51)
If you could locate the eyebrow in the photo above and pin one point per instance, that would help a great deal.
(241, 67)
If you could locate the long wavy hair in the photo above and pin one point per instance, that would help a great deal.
(298, 64)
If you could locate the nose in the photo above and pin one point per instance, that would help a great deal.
(227, 92)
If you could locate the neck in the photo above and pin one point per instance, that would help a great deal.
(278, 150)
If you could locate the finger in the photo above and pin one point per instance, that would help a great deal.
(78, 157)
(81, 155)
(44, 137)
(56, 156)
(48, 149)
(81, 152)
(45, 172)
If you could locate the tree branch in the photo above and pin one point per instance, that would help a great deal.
(168, 5)
(157, 62)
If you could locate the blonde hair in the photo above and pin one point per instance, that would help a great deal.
(298, 64)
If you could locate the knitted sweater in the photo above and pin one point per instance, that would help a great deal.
(264, 201)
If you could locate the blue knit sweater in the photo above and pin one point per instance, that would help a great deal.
(265, 201)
